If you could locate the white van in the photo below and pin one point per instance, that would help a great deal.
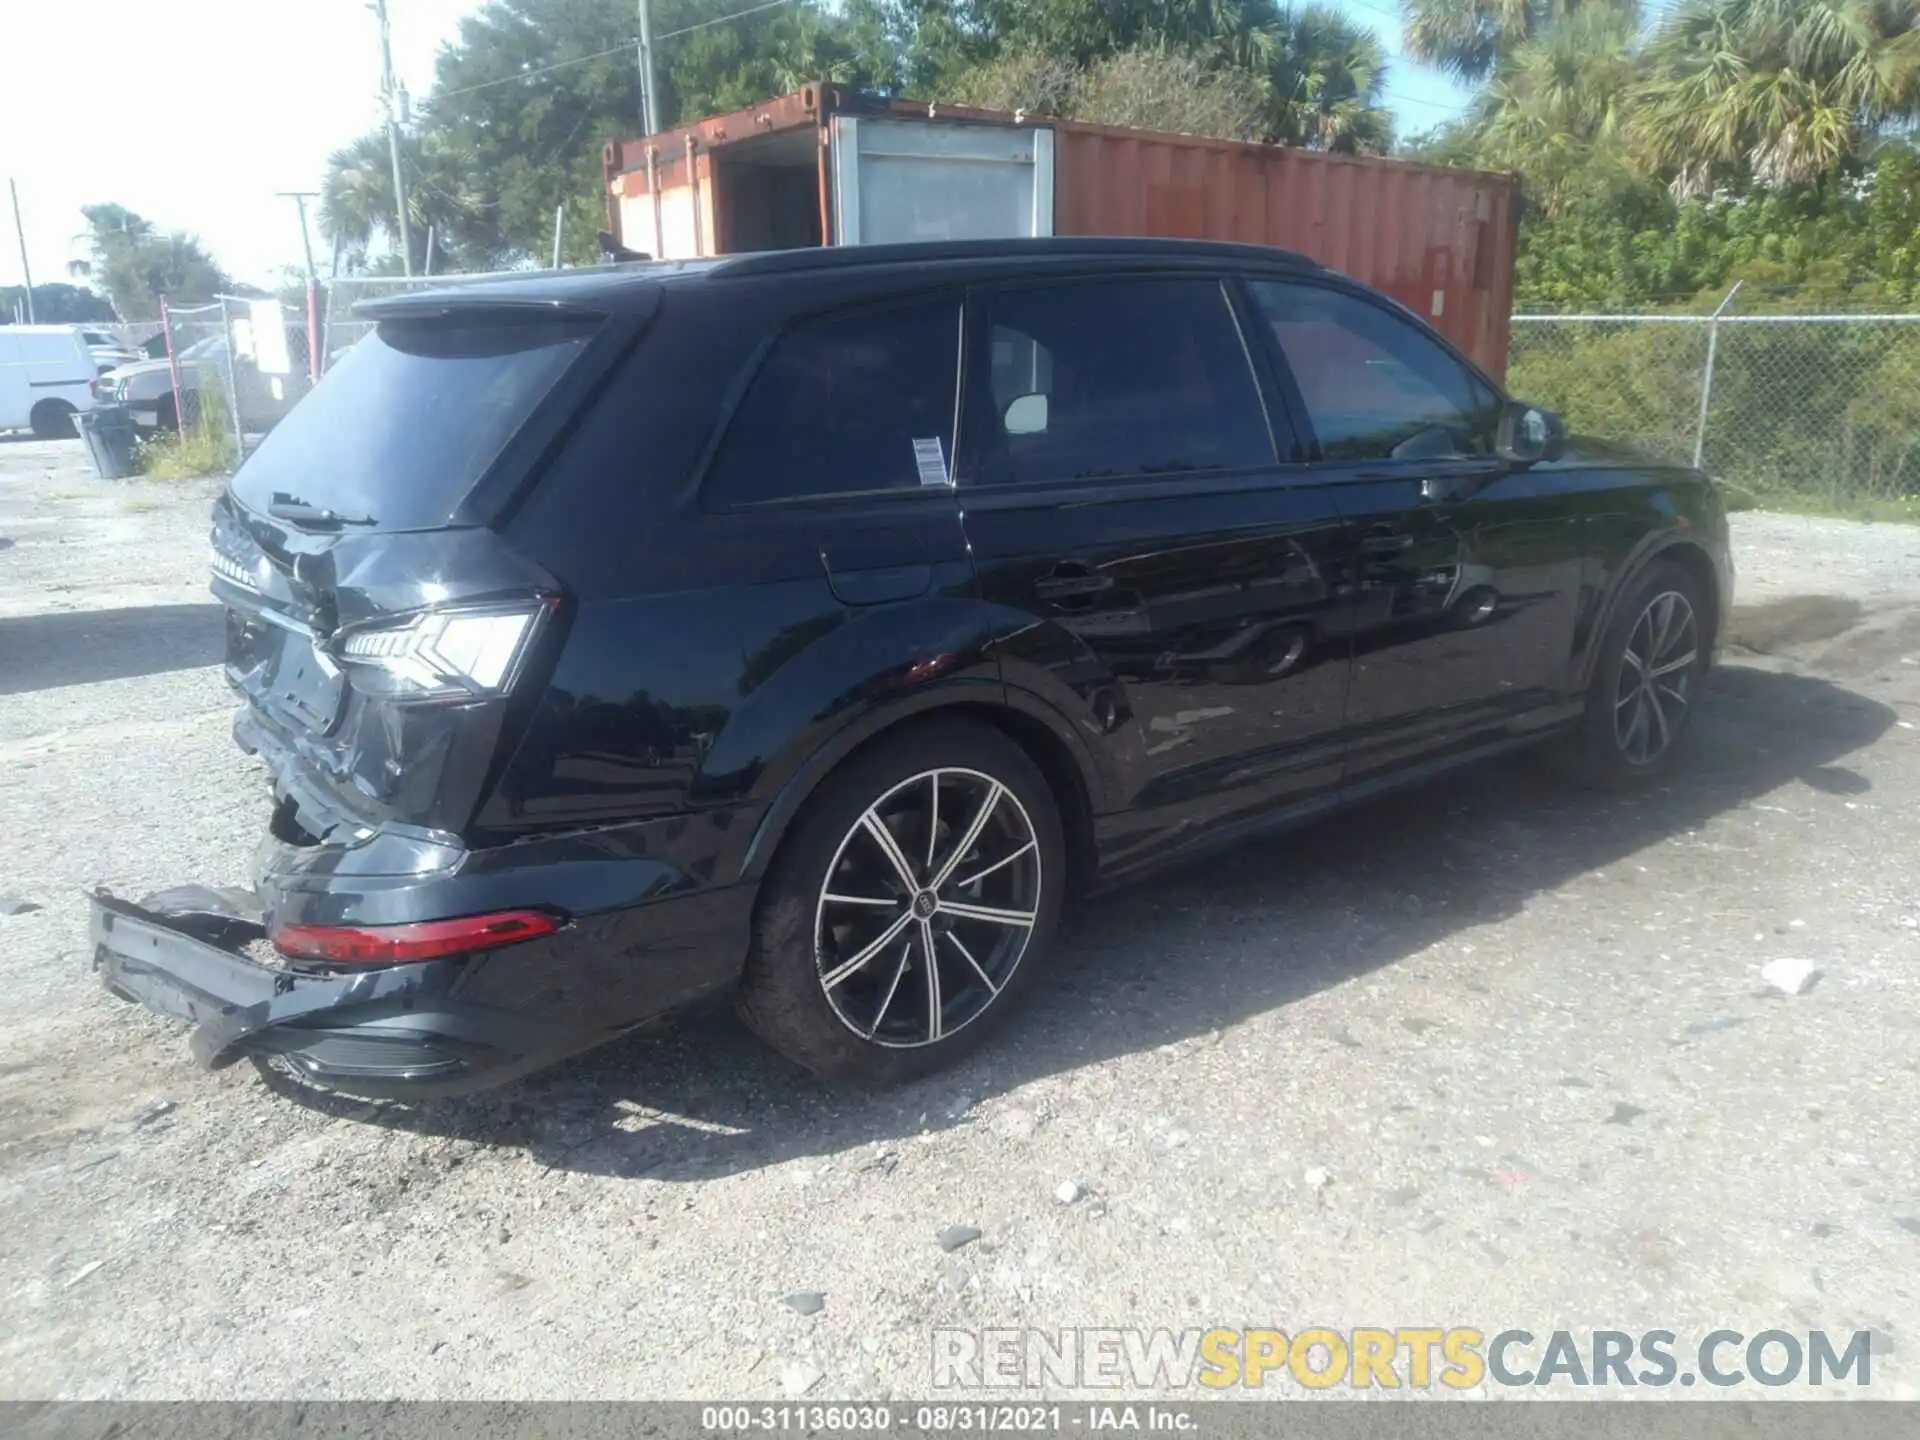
(47, 376)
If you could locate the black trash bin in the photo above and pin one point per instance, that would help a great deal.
(110, 436)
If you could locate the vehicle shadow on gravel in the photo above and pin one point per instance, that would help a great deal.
(78, 647)
(1178, 957)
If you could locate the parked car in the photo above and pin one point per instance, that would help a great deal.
(108, 352)
(810, 625)
(46, 378)
(146, 386)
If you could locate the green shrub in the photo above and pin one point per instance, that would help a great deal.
(204, 446)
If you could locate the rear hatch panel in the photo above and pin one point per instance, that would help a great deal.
(377, 761)
(351, 545)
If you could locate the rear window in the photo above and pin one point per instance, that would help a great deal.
(845, 404)
(406, 422)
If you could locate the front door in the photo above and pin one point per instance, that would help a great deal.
(1168, 578)
(1468, 569)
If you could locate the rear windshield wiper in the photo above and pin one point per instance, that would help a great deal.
(292, 507)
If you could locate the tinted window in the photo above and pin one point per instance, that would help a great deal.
(1108, 378)
(846, 403)
(408, 420)
(1375, 386)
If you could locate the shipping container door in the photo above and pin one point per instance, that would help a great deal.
(904, 180)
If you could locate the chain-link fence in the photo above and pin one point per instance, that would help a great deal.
(219, 375)
(1820, 407)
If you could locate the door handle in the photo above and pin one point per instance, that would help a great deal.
(1447, 489)
(1070, 581)
(1391, 543)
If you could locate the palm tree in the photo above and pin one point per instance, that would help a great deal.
(1781, 90)
(356, 200)
(1470, 39)
(1324, 74)
(1328, 80)
(356, 196)
(1557, 109)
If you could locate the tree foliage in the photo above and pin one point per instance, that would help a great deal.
(531, 90)
(55, 304)
(135, 263)
(1471, 39)
(1783, 91)
(1755, 140)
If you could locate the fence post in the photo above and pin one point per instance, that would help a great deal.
(653, 194)
(173, 366)
(233, 389)
(1706, 379)
(313, 331)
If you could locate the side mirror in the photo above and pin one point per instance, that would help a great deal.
(1528, 433)
(1026, 415)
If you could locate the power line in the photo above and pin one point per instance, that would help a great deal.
(1396, 96)
(622, 49)
(619, 49)
(722, 19)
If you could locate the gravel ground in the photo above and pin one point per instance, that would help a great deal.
(1495, 1054)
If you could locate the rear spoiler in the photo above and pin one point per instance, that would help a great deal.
(583, 294)
(432, 303)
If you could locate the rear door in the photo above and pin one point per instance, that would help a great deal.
(810, 580)
(1468, 569)
(1167, 576)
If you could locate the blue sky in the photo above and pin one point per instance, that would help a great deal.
(1421, 97)
(257, 93)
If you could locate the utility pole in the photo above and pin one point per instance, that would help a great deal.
(20, 230)
(300, 198)
(649, 101)
(390, 92)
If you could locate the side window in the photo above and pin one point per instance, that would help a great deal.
(1110, 378)
(845, 404)
(1375, 387)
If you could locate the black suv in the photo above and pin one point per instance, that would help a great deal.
(810, 625)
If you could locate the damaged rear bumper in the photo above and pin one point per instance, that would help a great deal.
(398, 1031)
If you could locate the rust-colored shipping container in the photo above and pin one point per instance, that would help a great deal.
(827, 166)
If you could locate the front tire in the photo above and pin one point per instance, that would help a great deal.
(53, 420)
(912, 903)
(1646, 680)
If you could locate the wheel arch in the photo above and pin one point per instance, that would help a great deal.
(53, 408)
(1068, 771)
(1692, 558)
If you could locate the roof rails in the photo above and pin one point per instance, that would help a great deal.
(835, 257)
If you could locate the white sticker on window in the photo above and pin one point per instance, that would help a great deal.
(930, 459)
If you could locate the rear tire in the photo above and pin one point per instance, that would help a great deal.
(908, 908)
(1645, 684)
(53, 420)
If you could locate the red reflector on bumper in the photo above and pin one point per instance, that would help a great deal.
(424, 940)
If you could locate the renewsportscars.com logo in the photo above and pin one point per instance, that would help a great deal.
(1367, 1357)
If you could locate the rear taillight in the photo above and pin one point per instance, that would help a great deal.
(424, 940)
(93, 387)
(457, 652)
